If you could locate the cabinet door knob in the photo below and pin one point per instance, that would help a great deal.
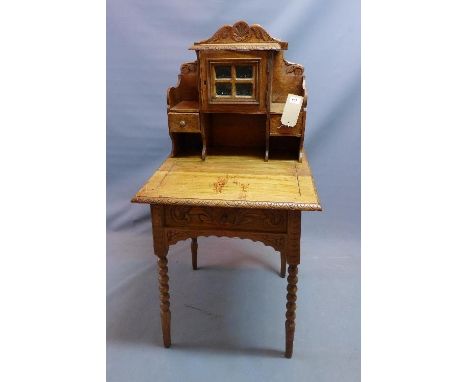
(182, 123)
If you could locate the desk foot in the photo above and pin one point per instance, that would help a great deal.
(164, 298)
(290, 324)
(194, 253)
(166, 328)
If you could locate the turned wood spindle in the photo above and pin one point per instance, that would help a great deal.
(291, 297)
(164, 298)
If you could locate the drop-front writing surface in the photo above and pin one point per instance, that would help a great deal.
(232, 180)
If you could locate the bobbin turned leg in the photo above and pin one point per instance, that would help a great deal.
(164, 297)
(194, 253)
(283, 265)
(293, 254)
(161, 249)
(290, 323)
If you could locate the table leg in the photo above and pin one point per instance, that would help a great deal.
(164, 297)
(290, 323)
(283, 265)
(194, 253)
(161, 249)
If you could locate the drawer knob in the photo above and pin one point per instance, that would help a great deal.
(182, 123)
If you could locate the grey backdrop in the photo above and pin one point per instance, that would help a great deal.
(228, 317)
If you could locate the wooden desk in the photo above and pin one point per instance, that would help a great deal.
(232, 196)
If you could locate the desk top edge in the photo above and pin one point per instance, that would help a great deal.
(294, 206)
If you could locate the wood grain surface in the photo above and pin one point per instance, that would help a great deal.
(232, 181)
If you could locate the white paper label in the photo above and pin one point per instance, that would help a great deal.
(295, 100)
(291, 110)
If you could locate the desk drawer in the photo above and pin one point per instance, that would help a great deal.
(184, 122)
(277, 129)
(226, 219)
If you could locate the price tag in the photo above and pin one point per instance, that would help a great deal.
(296, 100)
(291, 110)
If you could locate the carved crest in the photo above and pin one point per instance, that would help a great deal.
(293, 69)
(241, 32)
(188, 67)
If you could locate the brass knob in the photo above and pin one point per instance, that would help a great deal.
(182, 123)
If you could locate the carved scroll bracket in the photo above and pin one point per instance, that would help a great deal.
(189, 68)
(292, 68)
(276, 241)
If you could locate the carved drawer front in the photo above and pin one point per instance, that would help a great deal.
(277, 129)
(226, 218)
(184, 122)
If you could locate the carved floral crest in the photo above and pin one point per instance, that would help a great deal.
(241, 32)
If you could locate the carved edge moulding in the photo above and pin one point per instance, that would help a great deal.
(230, 203)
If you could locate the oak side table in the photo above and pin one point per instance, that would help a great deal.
(233, 196)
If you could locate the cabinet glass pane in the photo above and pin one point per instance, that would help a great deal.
(244, 89)
(223, 89)
(223, 71)
(244, 71)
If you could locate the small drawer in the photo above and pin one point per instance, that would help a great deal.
(277, 129)
(184, 122)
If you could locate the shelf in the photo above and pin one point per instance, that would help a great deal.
(186, 107)
(194, 107)
(276, 108)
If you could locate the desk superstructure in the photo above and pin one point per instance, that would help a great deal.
(233, 95)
